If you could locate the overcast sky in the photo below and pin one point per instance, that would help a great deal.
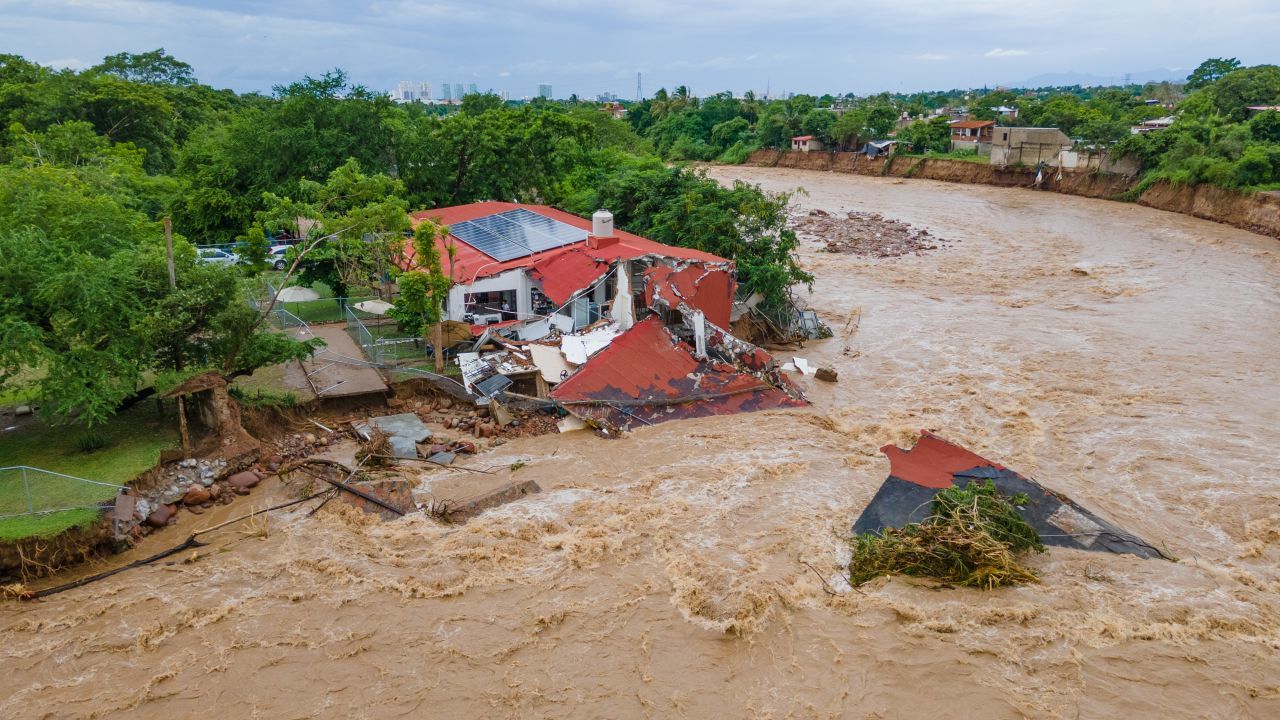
(593, 46)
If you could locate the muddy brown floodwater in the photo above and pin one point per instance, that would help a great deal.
(1123, 355)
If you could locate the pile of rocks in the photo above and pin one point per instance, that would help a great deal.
(300, 445)
(866, 234)
(193, 484)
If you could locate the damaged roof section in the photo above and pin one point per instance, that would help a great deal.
(705, 288)
(648, 375)
(916, 475)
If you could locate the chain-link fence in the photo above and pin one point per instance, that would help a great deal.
(381, 339)
(26, 490)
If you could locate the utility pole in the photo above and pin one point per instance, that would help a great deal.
(173, 285)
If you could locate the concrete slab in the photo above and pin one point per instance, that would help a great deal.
(403, 447)
(443, 458)
(339, 369)
(405, 425)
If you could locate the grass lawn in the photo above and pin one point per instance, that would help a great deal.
(134, 441)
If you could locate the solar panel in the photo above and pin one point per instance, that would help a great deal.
(495, 246)
(516, 233)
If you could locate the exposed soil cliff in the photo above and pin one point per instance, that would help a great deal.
(1259, 213)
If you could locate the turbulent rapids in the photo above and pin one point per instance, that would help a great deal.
(1122, 355)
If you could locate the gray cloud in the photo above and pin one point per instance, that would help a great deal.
(594, 46)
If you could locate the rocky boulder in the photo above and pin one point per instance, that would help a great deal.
(196, 496)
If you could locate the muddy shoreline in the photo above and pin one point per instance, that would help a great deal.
(1122, 355)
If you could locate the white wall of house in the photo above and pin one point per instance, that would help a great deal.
(517, 279)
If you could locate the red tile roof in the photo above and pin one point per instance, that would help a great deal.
(470, 264)
(563, 274)
(648, 373)
(802, 137)
(710, 291)
(963, 124)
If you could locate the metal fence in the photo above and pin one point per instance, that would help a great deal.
(381, 341)
(26, 490)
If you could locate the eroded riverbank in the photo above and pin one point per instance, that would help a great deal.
(1122, 355)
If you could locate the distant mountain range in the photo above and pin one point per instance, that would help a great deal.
(1085, 79)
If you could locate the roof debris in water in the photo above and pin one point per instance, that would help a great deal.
(917, 474)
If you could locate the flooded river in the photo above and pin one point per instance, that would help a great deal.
(1127, 357)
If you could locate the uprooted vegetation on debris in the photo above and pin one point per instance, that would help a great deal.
(973, 536)
(866, 234)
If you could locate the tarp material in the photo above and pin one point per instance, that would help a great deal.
(297, 293)
(916, 475)
(374, 307)
(648, 376)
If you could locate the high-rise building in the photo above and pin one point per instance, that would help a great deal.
(411, 91)
(404, 92)
(471, 89)
(457, 91)
(544, 90)
(445, 96)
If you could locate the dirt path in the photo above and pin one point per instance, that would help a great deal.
(1122, 355)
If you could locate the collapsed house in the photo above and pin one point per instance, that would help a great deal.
(616, 329)
(917, 474)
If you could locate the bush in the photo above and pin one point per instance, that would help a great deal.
(737, 153)
(973, 537)
(91, 441)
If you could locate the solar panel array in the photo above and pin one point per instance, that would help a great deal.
(516, 234)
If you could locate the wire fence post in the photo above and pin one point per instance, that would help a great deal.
(26, 488)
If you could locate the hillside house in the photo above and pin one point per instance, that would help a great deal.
(805, 143)
(1027, 145)
(1151, 125)
(972, 135)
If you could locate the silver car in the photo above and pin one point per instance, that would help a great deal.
(216, 256)
(276, 256)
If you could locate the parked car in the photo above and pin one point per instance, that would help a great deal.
(216, 256)
(276, 256)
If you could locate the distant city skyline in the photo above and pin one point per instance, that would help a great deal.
(717, 45)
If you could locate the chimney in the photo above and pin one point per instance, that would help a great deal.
(601, 230)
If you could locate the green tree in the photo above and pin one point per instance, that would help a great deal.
(1209, 71)
(252, 247)
(150, 68)
(850, 129)
(424, 290)
(1234, 92)
(1265, 126)
(880, 120)
(353, 227)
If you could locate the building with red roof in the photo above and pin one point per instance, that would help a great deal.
(516, 261)
(805, 143)
(972, 135)
(613, 328)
